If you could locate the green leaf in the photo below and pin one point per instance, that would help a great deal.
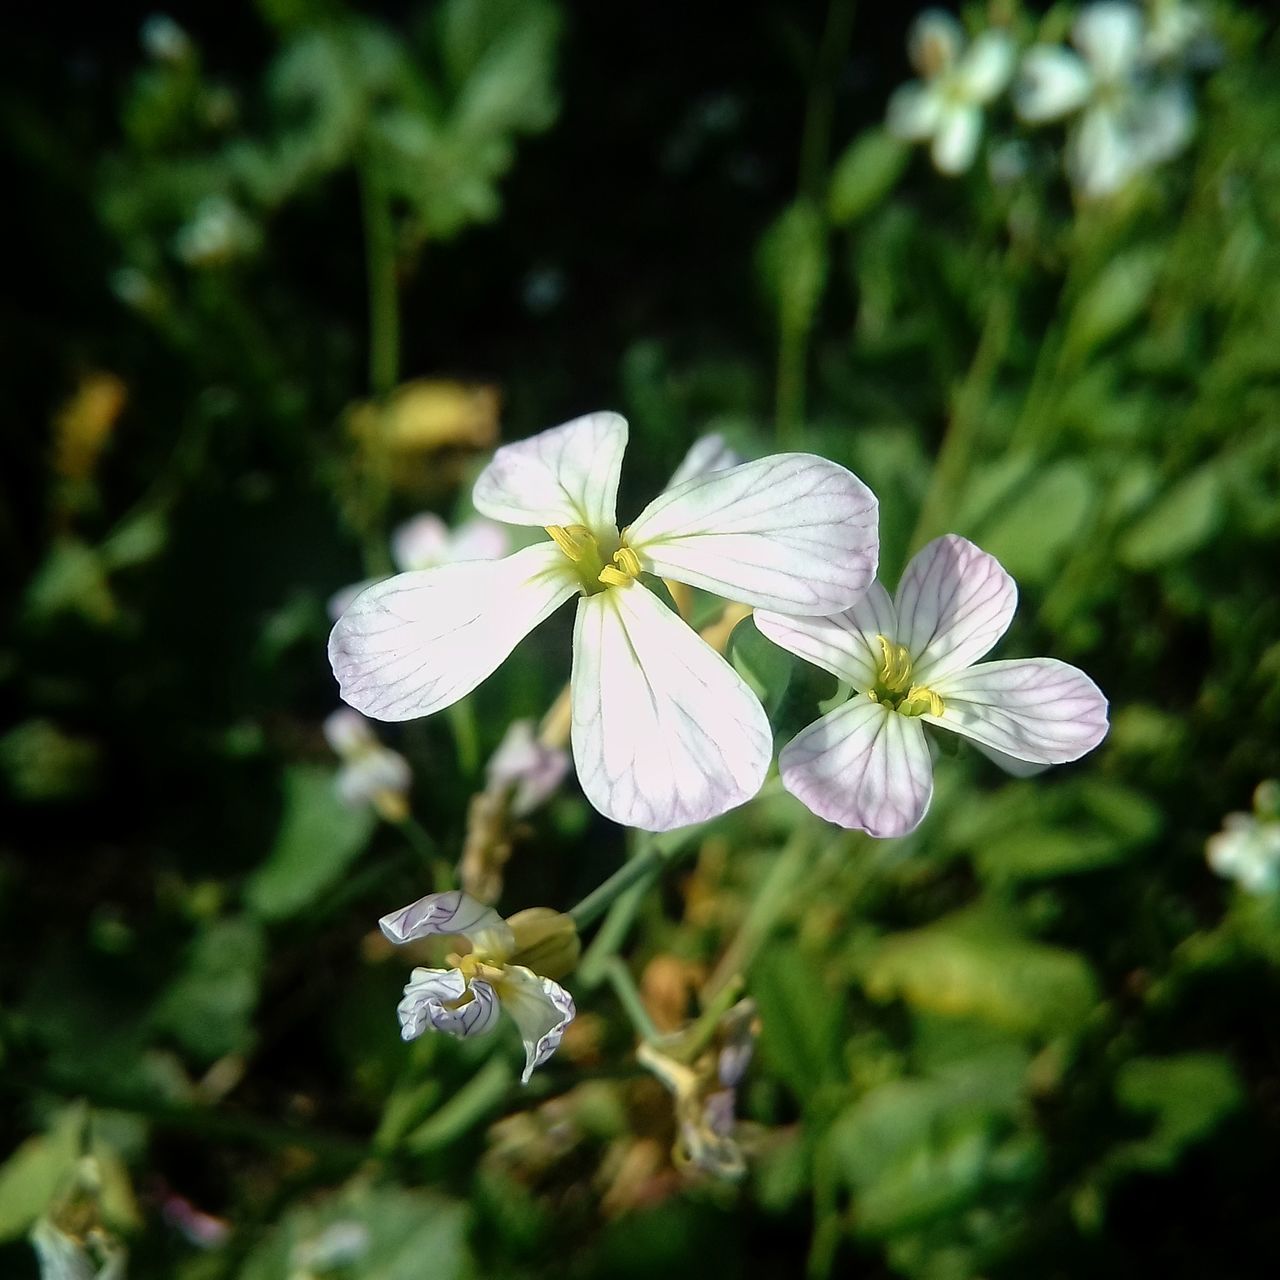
(800, 1022)
(32, 1175)
(1187, 1095)
(865, 174)
(209, 1007)
(1112, 301)
(973, 965)
(793, 263)
(1032, 533)
(318, 840)
(1181, 522)
(762, 664)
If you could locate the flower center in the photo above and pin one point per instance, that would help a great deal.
(894, 688)
(595, 567)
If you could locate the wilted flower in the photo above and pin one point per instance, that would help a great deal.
(1127, 121)
(944, 107)
(531, 768)
(1247, 849)
(914, 661)
(464, 1000)
(370, 773)
(62, 1256)
(665, 732)
(425, 542)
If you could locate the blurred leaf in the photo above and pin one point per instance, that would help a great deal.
(1188, 1096)
(32, 1175)
(762, 664)
(800, 1022)
(135, 540)
(209, 1007)
(41, 762)
(318, 839)
(972, 965)
(793, 264)
(1030, 535)
(864, 174)
(71, 579)
(1181, 521)
(1112, 301)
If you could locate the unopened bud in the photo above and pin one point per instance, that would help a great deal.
(546, 941)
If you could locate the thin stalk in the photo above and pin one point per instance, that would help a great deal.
(624, 987)
(380, 258)
(466, 1108)
(645, 865)
(429, 852)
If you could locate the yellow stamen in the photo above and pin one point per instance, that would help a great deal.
(920, 699)
(572, 539)
(625, 568)
(894, 687)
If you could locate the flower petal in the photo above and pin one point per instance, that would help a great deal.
(1035, 709)
(914, 112)
(347, 732)
(934, 41)
(1102, 153)
(665, 732)
(1109, 34)
(567, 475)
(371, 774)
(845, 643)
(986, 66)
(420, 543)
(706, 455)
(528, 764)
(792, 532)
(420, 641)
(451, 914)
(956, 142)
(954, 602)
(429, 995)
(478, 539)
(862, 766)
(540, 1008)
(1052, 82)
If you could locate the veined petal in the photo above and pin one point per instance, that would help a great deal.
(1109, 34)
(844, 643)
(450, 914)
(1052, 82)
(792, 532)
(567, 475)
(986, 66)
(1035, 709)
(540, 1008)
(862, 766)
(915, 111)
(956, 142)
(954, 602)
(665, 732)
(420, 641)
(431, 1000)
(707, 454)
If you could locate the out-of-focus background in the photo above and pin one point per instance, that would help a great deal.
(280, 277)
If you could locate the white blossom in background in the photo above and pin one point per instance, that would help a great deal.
(913, 660)
(340, 1244)
(1125, 120)
(218, 231)
(426, 541)
(525, 763)
(664, 732)
(958, 79)
(465, 999)
(707, 455)
(62, 1256)
(1179, 34)
(370, 772)
(1247, 849)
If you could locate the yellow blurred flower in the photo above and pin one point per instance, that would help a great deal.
(83, 425)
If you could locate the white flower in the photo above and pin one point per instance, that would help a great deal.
(1247, 849)
(425, 542)
(1127, 122)
(219, 230)
(534, 769)
(914, 661)
(664, 731)
(370, 773)
(945, 106)
(465, 1000)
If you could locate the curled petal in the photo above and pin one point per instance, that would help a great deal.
(986, 66)
(567, 475)
(862, 766)
(420, 641)
(1109, 34)
(956, 142)
(707, 454)
(954, 602)
(540, 1008)
(442, 999)
(450, 914)
(1035, 709)
(915, 111)
(665, 732)
(792, 532)
(845, 643)
(1052, 82)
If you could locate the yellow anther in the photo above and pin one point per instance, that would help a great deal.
(624, 569)
(572, 539)
(612, 577)
(895, 665)
(919, 700)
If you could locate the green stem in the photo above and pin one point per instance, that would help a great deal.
(644, 866)
(592, 970)
(954, 457)
(380, 256)
(429, 852)
(625, 989)
(480, 1095)
(466, 736)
